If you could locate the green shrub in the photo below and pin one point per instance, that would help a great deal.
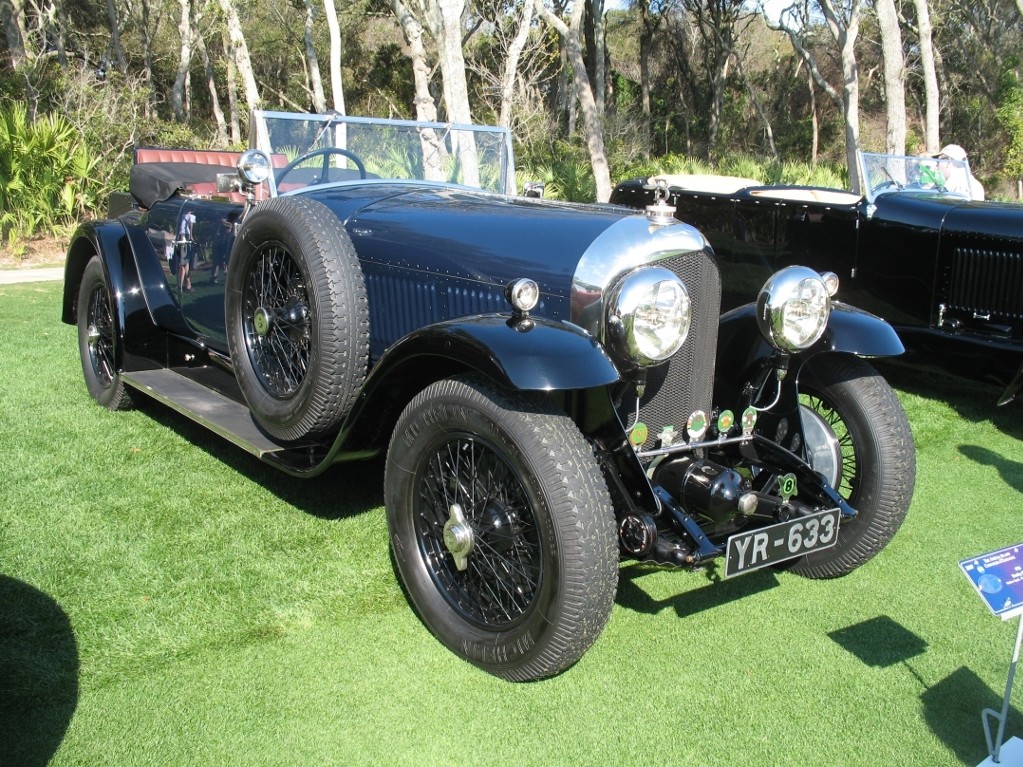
(45, 174)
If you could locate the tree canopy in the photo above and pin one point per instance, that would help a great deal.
(592, 92)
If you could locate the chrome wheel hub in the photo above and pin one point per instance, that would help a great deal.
(261, 321)
(458, 536)
(823, 449)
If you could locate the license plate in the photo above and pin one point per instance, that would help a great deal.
(767, 546)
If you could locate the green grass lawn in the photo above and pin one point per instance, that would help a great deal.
(167, 600)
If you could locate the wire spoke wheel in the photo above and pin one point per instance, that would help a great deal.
(501, 575)
(297, 318)
(100, 329)
(98, 339)
(502, 529)
(857, 436)
(277, 320)
(835, 443)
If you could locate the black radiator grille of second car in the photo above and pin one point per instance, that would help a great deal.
(686, 382)
(987, 282)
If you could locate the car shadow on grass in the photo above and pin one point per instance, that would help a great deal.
(38, 674)
(1010, 471)
(975, 401)
(344, 490)
(715, 593)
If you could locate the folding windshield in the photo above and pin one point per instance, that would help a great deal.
(308, 149)
(885, 173)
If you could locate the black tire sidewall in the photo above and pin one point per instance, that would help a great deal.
(336, 297)
(513, 645)
(550, 635)
(885, 460)
(110, 395)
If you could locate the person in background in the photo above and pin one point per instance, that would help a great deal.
(957, 153)
(185, 256)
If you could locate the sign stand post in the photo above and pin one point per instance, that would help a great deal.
(1014, 747)
(998, 580)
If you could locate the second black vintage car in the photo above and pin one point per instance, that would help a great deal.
(944, 269)
(552, 385)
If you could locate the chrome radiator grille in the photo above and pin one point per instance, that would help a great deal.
(987, 282)
(686, 383)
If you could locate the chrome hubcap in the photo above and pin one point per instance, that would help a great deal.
(458, 536)
(823, 449)
(261, 321)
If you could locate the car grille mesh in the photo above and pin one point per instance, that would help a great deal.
(987, 282)
(686, 382)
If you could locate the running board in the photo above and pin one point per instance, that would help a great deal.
(221, 415)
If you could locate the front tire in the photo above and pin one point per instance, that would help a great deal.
(97, 340)
(501, 527)
(872, 457)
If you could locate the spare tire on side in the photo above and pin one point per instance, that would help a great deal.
(297, 318)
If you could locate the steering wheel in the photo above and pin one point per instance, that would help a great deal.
(325, 153)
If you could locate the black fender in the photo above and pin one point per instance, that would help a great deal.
(136, 291)
(108, 240)
(522, 353)
(525, 353)
(743, 350)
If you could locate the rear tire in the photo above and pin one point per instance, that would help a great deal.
(501, 527)
(98, 339)
(876, 460)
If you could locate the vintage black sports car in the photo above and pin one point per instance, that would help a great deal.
(552, 384)
(946, 271)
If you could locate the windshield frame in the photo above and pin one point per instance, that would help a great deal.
(882, 174)
(468, 156)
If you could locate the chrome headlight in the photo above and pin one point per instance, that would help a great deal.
(254, 166)
(793, 308)
(648, 316)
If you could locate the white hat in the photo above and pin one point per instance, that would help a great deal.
(953, 152)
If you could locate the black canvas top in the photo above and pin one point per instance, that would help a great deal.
(151, 182)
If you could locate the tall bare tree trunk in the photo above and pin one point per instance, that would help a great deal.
(241, 54)
(814, 125)
(758, 106)
(211, 83)
(315, 81)
(646, 35)
(511, 63)
(147, 56)
(426, 107)
(184, 60)
(571, 34)
(115, 36)
(599, 69)
(717, 84)
(337, 91)
(845, 31)
(232, 91)
(456, 89)
(932, 109)
(53, 28)
(894, 75)
(12, 14)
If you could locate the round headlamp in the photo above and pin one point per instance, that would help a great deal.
(523, 294)
(254, 166)
(793, 308)
(649, 313)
